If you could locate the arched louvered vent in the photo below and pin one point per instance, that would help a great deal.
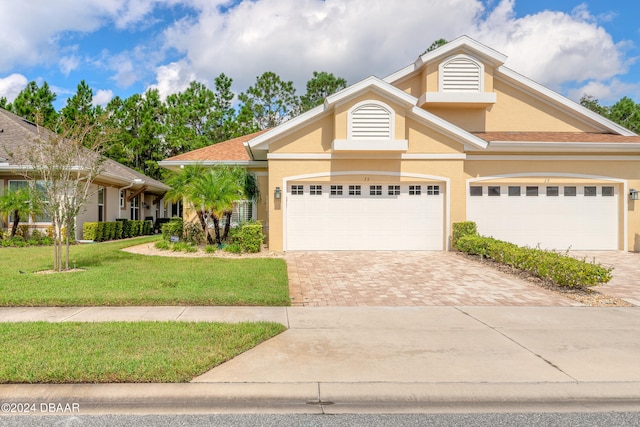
(371, 121)
(461, 74)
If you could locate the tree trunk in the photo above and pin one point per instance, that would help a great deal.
(16, 221)
(227, 226)
(216, 227)
(203, 223)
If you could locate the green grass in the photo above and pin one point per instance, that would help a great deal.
(112, 277)
(116, 352)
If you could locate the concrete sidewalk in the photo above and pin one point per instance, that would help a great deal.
(383, 359)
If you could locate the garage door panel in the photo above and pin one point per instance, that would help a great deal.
(365, 222)
(552, 222)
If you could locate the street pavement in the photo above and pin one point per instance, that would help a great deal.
(381, 359)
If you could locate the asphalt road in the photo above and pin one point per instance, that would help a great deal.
(588, 419)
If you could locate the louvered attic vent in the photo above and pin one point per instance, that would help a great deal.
(370, 121)
(461, 75)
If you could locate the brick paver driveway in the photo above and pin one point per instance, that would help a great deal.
(391, 278)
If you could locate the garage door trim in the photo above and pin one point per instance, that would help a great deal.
(445, 180)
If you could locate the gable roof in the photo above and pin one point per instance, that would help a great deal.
(505, 74)
(16, 132)
(259, 146)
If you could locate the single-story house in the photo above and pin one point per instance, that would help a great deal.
(120, 192)
(391, 163)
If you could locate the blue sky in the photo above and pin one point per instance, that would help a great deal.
(122, 47)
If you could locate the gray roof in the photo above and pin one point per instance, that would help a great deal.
(16, 133)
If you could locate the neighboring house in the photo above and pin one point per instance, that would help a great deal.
(120, 192)
(391, 164)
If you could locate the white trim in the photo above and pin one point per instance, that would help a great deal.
(604, 158)
(458, 98)
(370, 145)
(550, 146)
(465, 43)
(624, 195)
(246, 163)
(548, 96)
(338, 156)
(445, 180)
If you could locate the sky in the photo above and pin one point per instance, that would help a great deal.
(123, 47)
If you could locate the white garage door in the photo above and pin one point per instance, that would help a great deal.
(364, 217)
(580, 217)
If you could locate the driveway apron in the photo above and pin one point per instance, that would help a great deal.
(411, 278)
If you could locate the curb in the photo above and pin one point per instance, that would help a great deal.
(317, 398)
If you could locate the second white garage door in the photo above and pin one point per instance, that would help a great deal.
(561, 217)
(364, 216)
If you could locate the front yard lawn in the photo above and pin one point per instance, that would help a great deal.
(116, 352)
(111, 277)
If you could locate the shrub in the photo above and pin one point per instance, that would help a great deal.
(234, 248)
(460, 229)
(192, 233)
(561, 269)
(210, 249)
(249, 236)
(184, 247)
(117, 230)
(89, 230)
(174, 227)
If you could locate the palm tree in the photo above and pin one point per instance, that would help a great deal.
(217, 191)
(17, 203)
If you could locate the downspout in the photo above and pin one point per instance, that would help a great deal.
(122, 189)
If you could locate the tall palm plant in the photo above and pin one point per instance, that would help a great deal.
(217, 192)
(17, 203)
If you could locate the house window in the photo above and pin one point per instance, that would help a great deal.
(336, 190)
(135, 208)
(297, 190)
(590, 191)
(552, 191)
(394, 190)
(514, 190)
(315, 190)
(371, 120)
(176, 209)
(39, 187)
(101, 204)
(354, 190)
(122, 199)
(415, 190)
(532, 191)
(433, 190)
(375, 190)
(242, 212)
(607, 191)
(475, 190)
(494, 190)
(570, 191)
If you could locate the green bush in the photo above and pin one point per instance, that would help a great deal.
(184, 247)
(467, 228)
(559, 268)
(163, 245)
(89, 230)
(234, 248)
(117, 230)
(248, 236)
(174, 227)
(210, 249)
(192, 233)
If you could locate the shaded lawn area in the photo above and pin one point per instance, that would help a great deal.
(116, 352)
(112, 277)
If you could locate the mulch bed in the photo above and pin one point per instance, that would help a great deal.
(586, 296)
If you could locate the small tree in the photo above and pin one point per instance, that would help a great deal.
(66, 163)
(17, 203)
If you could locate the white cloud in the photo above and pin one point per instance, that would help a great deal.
(606, 93)
(102, 97)
(173, 78)
(357, 38)
(12, 85)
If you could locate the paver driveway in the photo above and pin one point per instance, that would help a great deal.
(416, 278)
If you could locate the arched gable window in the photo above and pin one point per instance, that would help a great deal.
(461, 73)
(371, 120)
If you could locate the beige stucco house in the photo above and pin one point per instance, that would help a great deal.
(392, 163)
(119, 192)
